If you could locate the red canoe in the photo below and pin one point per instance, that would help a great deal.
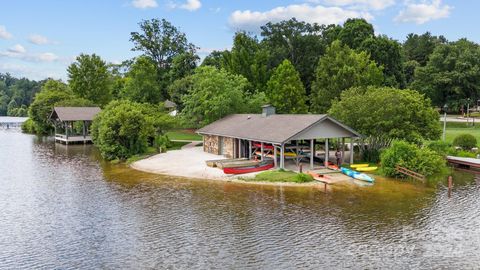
(242, 170)
(265, 146)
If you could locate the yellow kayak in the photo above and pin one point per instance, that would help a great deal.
(367, 169)
(358, 165)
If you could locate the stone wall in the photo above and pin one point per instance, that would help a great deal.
(228, 147)
(210, 144)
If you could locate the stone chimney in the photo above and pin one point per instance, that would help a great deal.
(268, 110)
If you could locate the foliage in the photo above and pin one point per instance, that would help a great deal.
(441, 147)
(465, 141)
(187, 135)
(178, 89)
(410, 156)
(28, 126)
(215, 94)
(452, 73)
(281, 176)
(285, 90)
(141, 84)
(16, 94)
(355, 32)
(161, 143)
(124, 129)
(169, 49)
(89, 78)
(419, 47)
(463, 153)
(299, 42)
(387, 53)
(340, 69)
(52, 93)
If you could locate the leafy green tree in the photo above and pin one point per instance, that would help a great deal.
(340, 69)
(125, 128)
(409, 71)
(89, 78)
(183, 65)
(215, 59)
(215, 94)
(178, 89)
(452, 73)
(163, 42)
(420, 47)
(285, 90)
(299, 42)
(355, 32)
(141, 83)
(383, 114)
(387, 53)
(51, 94)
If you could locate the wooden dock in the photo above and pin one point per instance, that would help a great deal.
(461, 161)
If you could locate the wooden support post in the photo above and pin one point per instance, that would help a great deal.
(275, 156)
(450, 186)
(343, 150)
(327, 153)
(312, 153)
(301, 168)
(261, 150)
(249, 149)
(84, 131)
(351, 150)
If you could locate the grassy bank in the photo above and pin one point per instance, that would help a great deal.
(455, 129)
(185, 134)
(281, 176)
(153, 151)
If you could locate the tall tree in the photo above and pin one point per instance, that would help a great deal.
(388, 54)
(355, 32)
(285, 90)
(299, 42)
(452, 73)
(340, 69)
(141, 83)
(162, 42)
(89, 78)
(419, 47)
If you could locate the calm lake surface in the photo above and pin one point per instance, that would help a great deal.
(64, 208)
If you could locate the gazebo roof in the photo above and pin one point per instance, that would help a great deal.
(74, 113)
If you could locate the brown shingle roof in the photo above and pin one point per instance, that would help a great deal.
(74, 113)
(277, 128)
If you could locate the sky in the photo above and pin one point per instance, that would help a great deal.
(40, 38)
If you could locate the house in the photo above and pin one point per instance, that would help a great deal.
(72, 124)
(289, 136)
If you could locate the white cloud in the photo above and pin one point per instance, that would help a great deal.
(19, 70)
(144, 4)
(361, 4)
(17, 49)
(4, 34)
(47, 57)
(423, 12)
(39, 39)
(252, 20)
(191, 5)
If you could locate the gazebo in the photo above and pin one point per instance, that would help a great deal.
(279, 136)
(72, 124)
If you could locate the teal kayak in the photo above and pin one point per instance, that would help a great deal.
(357, 175)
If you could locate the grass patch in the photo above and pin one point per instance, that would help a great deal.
(281, 176)
(186, 134)
(150, 151)
(176, 145)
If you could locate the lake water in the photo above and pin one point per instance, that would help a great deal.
(64, 208)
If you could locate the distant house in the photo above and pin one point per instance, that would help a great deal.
(72, 124)
(244, 135)
(171, 107)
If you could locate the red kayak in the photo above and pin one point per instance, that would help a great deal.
(242, 170)
(265, 146)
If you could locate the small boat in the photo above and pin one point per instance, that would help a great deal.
(357, 175)
(265, 146)
(356, 166)
(319, 177)
(367, 169)
(241, 170)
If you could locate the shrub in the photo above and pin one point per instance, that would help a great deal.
(421, 160)
(465, 141)
(466, 154)
(28, 126)
(303, 178)
(441, 147)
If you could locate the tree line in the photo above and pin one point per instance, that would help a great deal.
(296, 66)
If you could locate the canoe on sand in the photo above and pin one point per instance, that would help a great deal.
(367, 169)
(249, 169)
(357, 175)
(358, 165)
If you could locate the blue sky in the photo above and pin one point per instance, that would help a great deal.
(40, 38)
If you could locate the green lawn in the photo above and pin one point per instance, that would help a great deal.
(455, 129)
(187, 135)
(280, 176)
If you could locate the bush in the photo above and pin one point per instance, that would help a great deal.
(466, 154)
(124, 129)
(465, 141)
(28, 126)
(303, 178)
(441, 147)
(421, 160)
